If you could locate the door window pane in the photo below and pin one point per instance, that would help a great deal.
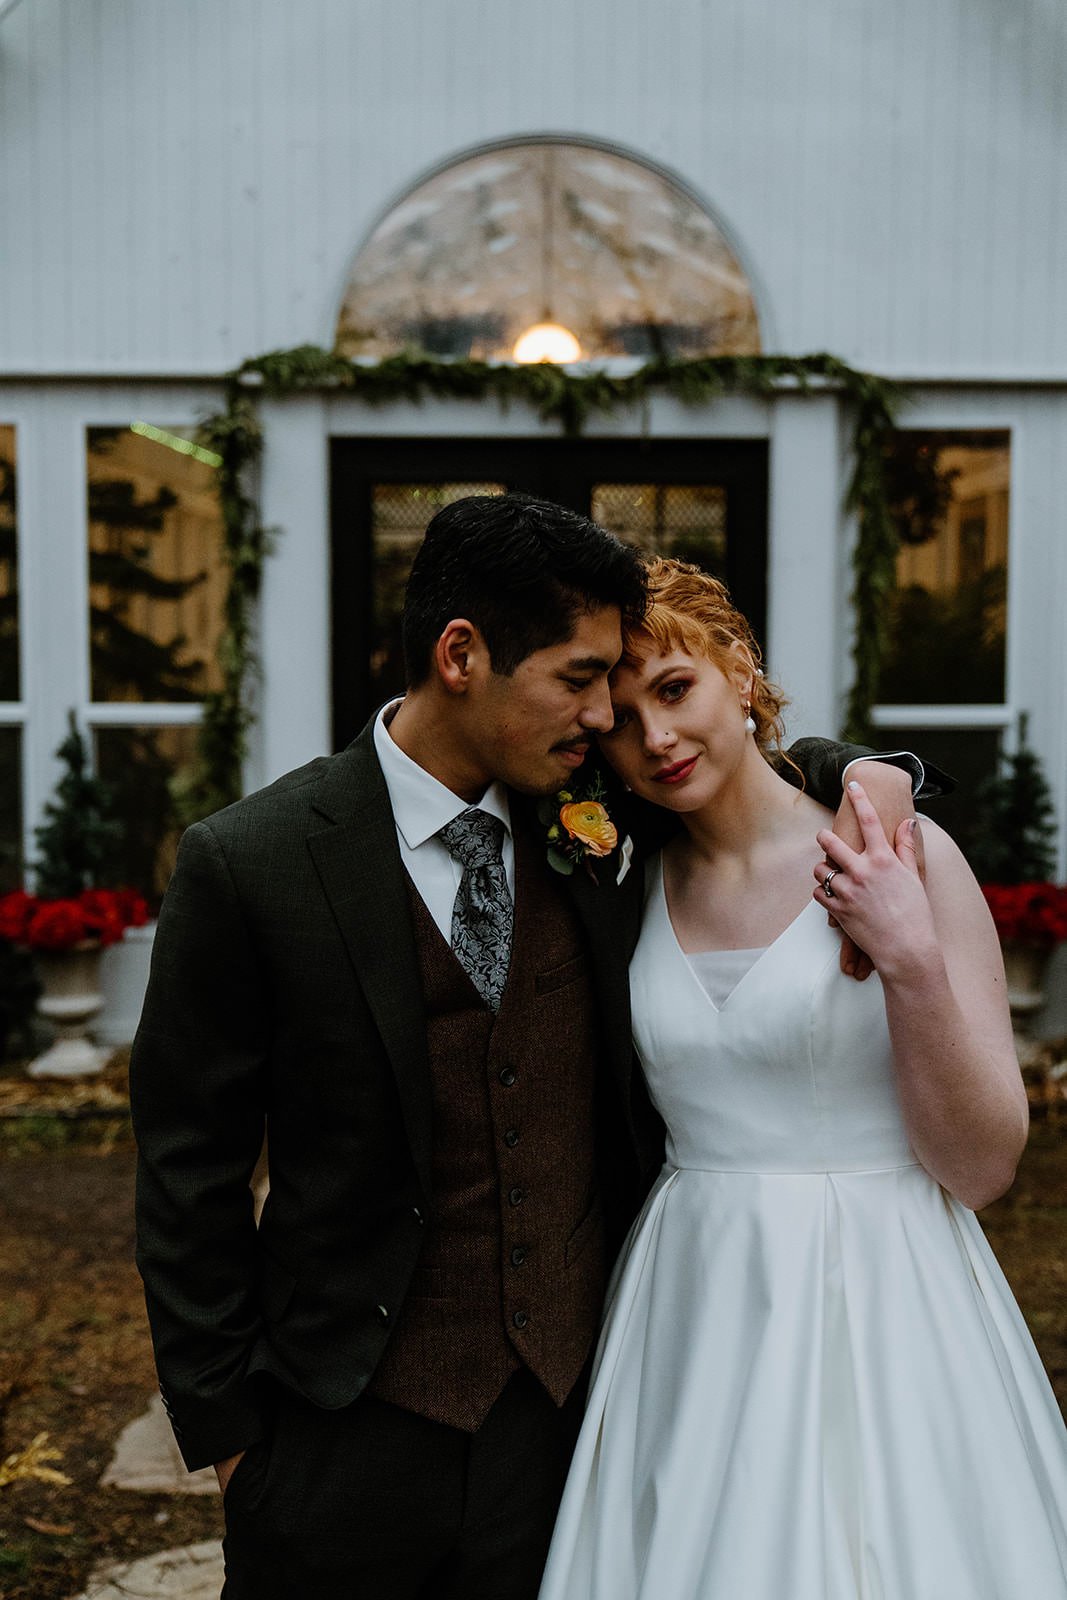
(400, 513)
(950, 496)
(10, 809)
(687, 521)
(141, 764)
(156, 577)
(9, 572)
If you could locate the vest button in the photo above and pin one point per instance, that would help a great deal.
(419, 1218)
(518, 1255)
(507, 1076)
(383, 1314)
(516, 1197)
(511, 1138)
(520, 1319)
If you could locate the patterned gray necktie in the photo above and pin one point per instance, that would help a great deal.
(482, 915)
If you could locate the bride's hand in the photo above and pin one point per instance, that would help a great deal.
(876, 895)
(888, 788)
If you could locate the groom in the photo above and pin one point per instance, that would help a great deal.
(371, 961)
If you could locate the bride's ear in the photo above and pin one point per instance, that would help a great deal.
(742, 670)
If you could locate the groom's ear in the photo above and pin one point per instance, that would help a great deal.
(459, 656)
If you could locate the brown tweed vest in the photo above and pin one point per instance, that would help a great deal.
(513, 1268)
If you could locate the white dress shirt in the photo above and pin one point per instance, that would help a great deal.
(421, 808)
(906, 760)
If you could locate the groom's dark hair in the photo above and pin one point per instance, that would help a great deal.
(521, 570)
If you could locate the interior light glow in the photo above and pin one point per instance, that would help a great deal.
(174, 441)
(547, 341)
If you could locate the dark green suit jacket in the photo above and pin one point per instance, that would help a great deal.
(285, 995)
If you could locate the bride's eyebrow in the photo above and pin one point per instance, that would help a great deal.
(667, 672)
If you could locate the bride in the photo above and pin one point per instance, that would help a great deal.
(812, 1381)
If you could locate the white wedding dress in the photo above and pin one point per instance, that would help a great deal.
(812, 1381)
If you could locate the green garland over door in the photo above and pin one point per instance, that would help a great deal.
(559, 395)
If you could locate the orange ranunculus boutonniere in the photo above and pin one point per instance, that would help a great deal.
(579, 829)
(588, 823)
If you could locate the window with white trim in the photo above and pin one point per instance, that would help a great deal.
(944, 684)
(157, 588)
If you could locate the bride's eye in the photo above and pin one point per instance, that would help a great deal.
(672, 692)
(621, 719)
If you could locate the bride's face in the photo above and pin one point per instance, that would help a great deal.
(679, 732)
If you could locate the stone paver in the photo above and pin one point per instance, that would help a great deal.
(146, 1459)
(192, 1573)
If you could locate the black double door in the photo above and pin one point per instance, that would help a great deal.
(702, 500)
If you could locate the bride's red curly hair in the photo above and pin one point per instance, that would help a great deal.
(690, 610)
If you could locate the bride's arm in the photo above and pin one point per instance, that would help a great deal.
(937, 954)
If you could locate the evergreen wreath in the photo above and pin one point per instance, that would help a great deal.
(559, 395)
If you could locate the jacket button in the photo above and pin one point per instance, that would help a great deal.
(383, 1314)
(507, 1076)
(419, 1218)
(520, 1319)
(516, 1197)
(511, 1138)
(518, 1255)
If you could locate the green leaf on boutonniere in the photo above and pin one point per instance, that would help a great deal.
(559, 862)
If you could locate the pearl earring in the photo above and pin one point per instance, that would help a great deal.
(750, 726)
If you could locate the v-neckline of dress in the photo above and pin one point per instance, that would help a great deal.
(661, 891)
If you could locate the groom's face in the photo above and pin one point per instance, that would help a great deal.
(533, 728)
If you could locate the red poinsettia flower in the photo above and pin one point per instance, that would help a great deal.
(16, 909)
(97, 916)
(132, 907)
(1028, 913)
(56, 925)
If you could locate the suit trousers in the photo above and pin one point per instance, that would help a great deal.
(372, 1502)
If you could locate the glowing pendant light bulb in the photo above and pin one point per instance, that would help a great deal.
(547, 341)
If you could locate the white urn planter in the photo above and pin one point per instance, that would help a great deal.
(70, 1000)
(1025, 968)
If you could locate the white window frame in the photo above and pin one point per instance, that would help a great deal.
(808, 574)
(51, 422)
(1030, 682)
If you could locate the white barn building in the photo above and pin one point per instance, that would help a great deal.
(183, 187)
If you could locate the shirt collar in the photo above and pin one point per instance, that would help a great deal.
(422, 805)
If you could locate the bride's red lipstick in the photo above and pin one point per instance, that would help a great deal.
(675, 774)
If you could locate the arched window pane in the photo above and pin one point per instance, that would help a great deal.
(556, 232)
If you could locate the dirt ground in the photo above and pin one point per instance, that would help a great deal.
(75, 1363)
(75, 1359)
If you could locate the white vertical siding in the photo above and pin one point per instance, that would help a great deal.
(184, 185)
(806, 567)
(293, 722)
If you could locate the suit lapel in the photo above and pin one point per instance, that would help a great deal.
(357, 858)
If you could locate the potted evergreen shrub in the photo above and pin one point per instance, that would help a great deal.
(1013, 856)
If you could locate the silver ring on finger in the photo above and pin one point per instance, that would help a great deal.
(826, 889)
